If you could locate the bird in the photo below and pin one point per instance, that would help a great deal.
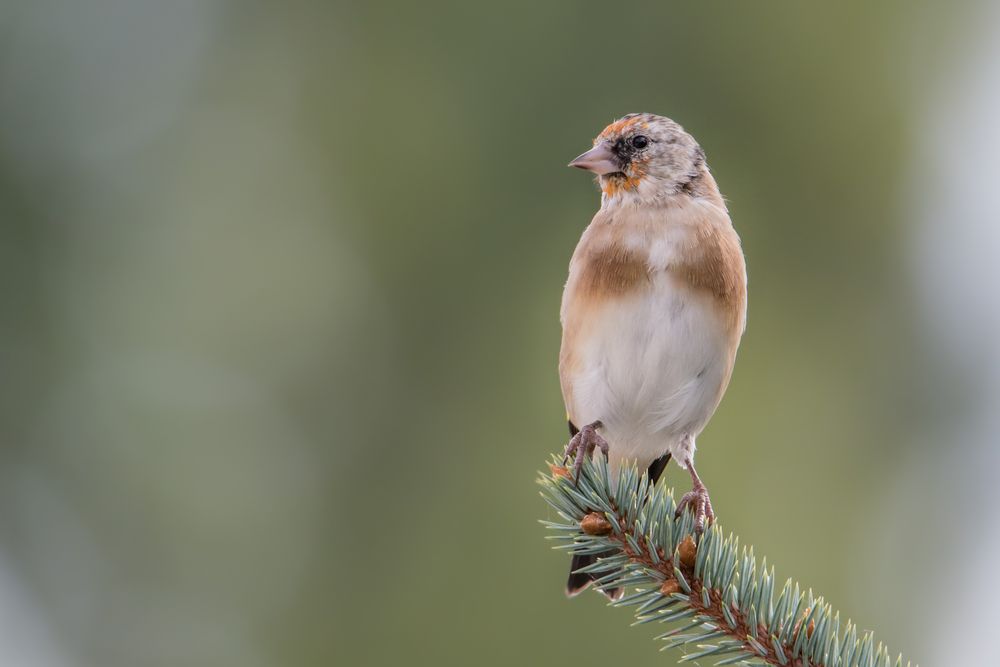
(652, 312)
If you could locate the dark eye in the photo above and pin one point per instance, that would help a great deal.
(640, 141)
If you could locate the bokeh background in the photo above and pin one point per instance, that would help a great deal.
(279, 287)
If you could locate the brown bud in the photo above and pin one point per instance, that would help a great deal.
(688, 550)
(669, 587)
(595, 524)
(810, 628)
(559, 471)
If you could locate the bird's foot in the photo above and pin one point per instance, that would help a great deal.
(583, 444)
(699, 502)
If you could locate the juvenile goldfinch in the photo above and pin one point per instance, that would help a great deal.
(653, 310)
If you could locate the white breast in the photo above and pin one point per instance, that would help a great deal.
(651, 368)
(651, 364)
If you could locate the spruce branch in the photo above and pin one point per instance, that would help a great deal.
(717, 600)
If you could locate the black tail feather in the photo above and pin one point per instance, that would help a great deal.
(657, 467)
(579, 581)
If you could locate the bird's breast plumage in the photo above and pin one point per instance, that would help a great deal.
(652, 314)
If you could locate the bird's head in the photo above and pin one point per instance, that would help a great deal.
(643, 157)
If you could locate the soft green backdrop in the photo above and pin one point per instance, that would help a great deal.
(279, 287)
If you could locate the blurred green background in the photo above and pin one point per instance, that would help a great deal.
(279, 289)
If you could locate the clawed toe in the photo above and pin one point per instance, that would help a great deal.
(700, 504)
(583, 445)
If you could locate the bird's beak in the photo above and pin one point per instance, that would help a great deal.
(599, 159)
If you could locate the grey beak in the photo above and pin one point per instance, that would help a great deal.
(599, 159)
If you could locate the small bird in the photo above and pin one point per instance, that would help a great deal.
(653, 310)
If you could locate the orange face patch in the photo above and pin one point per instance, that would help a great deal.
(636, 170)
(613, 185)
(628, 182)
(620, 127)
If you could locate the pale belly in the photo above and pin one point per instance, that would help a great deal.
(652, 368)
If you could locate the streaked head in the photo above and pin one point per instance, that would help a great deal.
(644, 156)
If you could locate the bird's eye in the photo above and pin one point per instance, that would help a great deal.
(640, 141)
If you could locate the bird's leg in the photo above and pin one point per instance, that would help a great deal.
(699, 501)
(583, 444)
